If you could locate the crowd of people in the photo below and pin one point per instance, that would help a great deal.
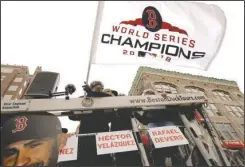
(98, 121)
(120, 120)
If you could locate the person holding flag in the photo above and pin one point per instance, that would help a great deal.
(94, 122)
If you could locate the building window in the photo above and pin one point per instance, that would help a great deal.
(226, 131)
(165, 87)
(194, 90)
(235, 111)
(222, 95)
(18, 79)
(20, 91)
(2, 77)
(13, 88)
(6, 70)
(212, 110)
(7, 97)
(240, 97)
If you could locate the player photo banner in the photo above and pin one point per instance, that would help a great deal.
(31, 140)
(179, 33)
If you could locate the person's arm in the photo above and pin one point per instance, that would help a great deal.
(77, 129)
(63, 139)
(87, 89)
(98, 94)
(91, 93)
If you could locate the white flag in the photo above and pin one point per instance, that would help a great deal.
(179, 33)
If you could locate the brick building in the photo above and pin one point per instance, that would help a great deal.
(15, 81)
(226, 101)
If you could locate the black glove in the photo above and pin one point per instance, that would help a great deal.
(142, 119)
(86, 88)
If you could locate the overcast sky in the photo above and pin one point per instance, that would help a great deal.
(57, 36)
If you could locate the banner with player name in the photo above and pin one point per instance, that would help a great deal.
(114, 142)
(69, 151)
(167, 136)
(178, 33)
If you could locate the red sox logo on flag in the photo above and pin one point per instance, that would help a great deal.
(178, 33)
(20, 124)
(151, 20)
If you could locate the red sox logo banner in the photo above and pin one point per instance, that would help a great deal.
(178, 33)
(20, 125)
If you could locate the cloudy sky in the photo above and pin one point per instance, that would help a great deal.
(58, 36)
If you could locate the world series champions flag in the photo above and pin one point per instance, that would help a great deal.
(187, 34)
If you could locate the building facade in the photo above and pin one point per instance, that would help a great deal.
(226, 101)
(15, 80)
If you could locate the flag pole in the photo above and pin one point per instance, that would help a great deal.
(95, 36)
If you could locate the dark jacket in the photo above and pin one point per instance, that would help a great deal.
(121, 119)
(95, 122)
(157, 115)
(91, 123)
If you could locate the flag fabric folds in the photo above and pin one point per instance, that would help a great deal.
(177, 33)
